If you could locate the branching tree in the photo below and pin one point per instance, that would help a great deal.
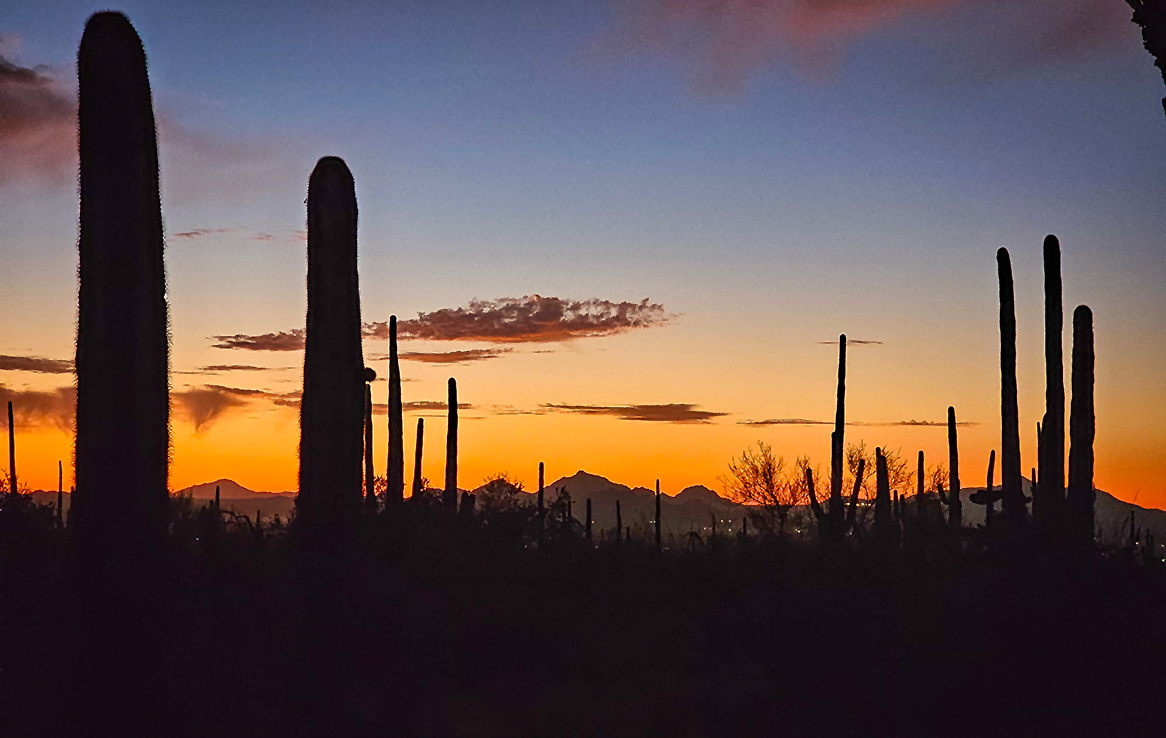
(758, 478)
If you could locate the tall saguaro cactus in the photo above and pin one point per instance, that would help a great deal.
(955, 509)
(332, 407)
(450, 495)
(884, 524)
(417, 457)
(1012, 496)
(1048, 512)
(123, 407)
(837, 444)
(12, 489)
(1082, 430)
(370, 495)
(659, 545)
(395, 471)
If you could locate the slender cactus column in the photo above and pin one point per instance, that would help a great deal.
(12, 488)
(837, 445)
(1082, 430)
(417, 457)
(450, 496)
(1012, 497)
(659, 546)
(395, 471)
(1049, 513)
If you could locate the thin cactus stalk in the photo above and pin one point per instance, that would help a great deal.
(541, 508)
(1039, 510)
(922, 503)
(587, 524)
(837, 444)
(370, 495)
(1051, 454)
(217, 508)
(815, 506)
(12, 488)
(417, 458)
(395, 471)
(884, 511)
(123, 404)
(988, 487)
(955, 506)
(1082, 430)
(659, 545)
(60, 495)
(332, 409)
(451, 490)
(1012, 496)
(618, 522)
(852, 512)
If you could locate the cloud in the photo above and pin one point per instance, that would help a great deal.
(200, 232)
(203, 406)
(453, 357)
(40, 409)
(851, 342)
(674, 413)
(725, 42)
(35, 364)
(292, 340)
(860, 424)
(433, 405)
(530, 319)
(223, 368)
(38, 125)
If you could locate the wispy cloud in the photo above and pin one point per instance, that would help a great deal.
(673, 413)
(851, 342)
(205, 405)
(36, 364)
(201, 232)
(859, 424)
(292, 340)
(725, 42)
(433, 405)
(38, 125)
(453, 357)
(224, 368)
(40, 409)
(529, 319)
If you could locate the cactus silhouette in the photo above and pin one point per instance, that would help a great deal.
(540, 508)
(955, 507)
(837, 445)
(1150, 15)
(450, 497)
(123, 407)
(331, 411)
(1012, 497)
(1081, 430)
(884, 510)
(12, 488)
(370, 495)
(1049, 496)
(587, 525)
(417, 458)
(989, 495)
(618, 522)
(395, 472)
(60, 495)
(659, 546)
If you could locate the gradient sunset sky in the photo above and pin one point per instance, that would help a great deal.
(708, 191)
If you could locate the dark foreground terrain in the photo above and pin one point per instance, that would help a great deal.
(437, 624)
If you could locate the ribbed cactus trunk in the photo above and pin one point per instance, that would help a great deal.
(123, 408)
(1049, 512)
(659, 544)
(955, 508)
(370, 495)
(884, 511)
(12, 488)
(837, 446)
(990, 512)
(417, 453)
(450, 496)
(618, 522)
(587, 526)
(60, 495)
(540, 509)
(332, 408)
(1082, 430)
(1012, 497)
(395, 471)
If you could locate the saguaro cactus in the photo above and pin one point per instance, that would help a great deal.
(618, 522)
(332, 409)
(837, 444)
(1082, 430)
(60, 495)
(1011, 493)
(11, 451)
(123, 407)
(955, 506)
(370, 495)
(659, 546)
(884, 511)
(587, 526)
(450, 497)
(417, 457)
(1049, 511)
(395, 471)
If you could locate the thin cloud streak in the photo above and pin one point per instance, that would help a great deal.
(672, 413)
(35, 364)
(851, 342)
(453, 357)
(858, 424)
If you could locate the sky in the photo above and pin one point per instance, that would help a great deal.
(633, 230)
